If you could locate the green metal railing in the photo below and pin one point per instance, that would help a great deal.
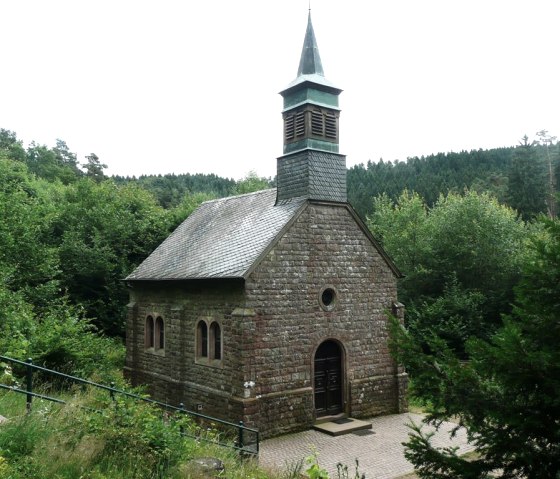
(246, 439)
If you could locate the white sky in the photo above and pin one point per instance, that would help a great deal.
(178, 86)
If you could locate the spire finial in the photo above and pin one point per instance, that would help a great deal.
(310, 62)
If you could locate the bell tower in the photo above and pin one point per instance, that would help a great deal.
(311, 166)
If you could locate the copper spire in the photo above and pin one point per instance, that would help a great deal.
(310, 62)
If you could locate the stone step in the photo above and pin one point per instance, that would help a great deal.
(344, 425)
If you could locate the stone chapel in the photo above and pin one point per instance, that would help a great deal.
(272, 307)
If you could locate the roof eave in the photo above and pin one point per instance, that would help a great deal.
(311, 81)
(177, 280)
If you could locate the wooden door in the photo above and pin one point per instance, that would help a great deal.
(328, 379)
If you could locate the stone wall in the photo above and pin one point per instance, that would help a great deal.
(175, 375)
(272, 324)
(324, 247)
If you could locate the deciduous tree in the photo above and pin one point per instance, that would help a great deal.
(463, 254)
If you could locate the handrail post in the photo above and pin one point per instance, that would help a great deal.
(240, 436)
(29, 374)
(112, 391)
(181, 428)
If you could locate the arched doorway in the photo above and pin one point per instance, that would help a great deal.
(328, 379)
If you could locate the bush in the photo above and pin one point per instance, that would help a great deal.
(93, 437)
(59, 338)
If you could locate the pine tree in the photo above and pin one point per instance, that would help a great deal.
(526, 181)
(508, 394)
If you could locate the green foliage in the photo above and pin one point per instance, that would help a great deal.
(67, 342)
(17, 323)
(343, 472)
(10, 146)
(460, 259)
(138, 437)
(315, 471)
(526, 181)
(454, 316)
(35, 320)
(94, 168)
(430, 176)
(480, 242)
(401, 226)
(52, 164)
(484, 171)
(93, 437)
(60, 338)
(28, 264)
(251, 183)
(169, 190)
(508, 393)
(551, 160)
(5, 470)
(434, 463)
(102, 232)
(188, 204)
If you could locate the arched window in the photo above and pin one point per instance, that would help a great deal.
(202, 339)
(216, 340)
(159, 336)
(209, 341)
(149, 332)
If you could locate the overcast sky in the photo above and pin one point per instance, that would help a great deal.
(178, 86)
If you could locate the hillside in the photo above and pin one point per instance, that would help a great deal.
(497, 171)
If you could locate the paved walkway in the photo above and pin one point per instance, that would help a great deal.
(380, 454)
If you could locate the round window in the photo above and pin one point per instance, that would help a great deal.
(327, 298)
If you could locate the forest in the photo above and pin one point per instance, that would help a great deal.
(475, 234)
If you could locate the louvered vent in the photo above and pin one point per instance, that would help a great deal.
(289, 129)
(317, 122)
(300, 123)
(330, 126)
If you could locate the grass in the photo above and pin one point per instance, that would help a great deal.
(127, 440)
(11, 404)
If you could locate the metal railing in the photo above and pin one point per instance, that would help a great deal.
(245, 439)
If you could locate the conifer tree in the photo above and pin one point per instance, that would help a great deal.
(508, 394)
(526, 181)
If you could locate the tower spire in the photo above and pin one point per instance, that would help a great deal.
(311, 166)
(310, 62)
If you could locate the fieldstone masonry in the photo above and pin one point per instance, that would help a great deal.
(272, 325)
(293, 289)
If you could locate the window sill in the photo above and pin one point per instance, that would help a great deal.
(155, 352)
(212, 363)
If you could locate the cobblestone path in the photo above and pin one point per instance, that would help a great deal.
(380, 454)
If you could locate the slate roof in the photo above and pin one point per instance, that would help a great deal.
(221, 239)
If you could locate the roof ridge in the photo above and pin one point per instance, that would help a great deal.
(225, 198)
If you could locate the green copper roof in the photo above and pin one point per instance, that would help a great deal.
(310, 72)
(310, 62)
(311, 95)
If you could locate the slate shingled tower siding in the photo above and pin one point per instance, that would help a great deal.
(250, 288)
(312, 174)
(311, 166)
